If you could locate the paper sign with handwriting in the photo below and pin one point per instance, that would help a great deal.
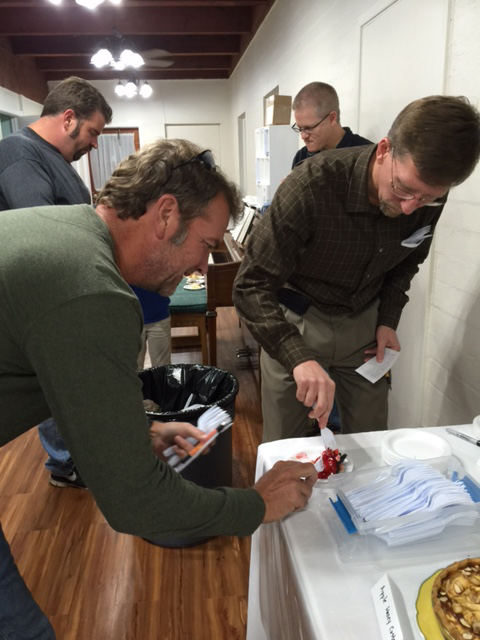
(386, 611)
(373, 370)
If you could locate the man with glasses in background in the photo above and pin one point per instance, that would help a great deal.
(316, 111)
(344, 236)
(70, 330)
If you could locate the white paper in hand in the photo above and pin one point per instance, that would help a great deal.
(373, 370)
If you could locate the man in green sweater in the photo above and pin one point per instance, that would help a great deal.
(70, 332)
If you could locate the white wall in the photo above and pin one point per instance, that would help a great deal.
(310, 40)
(452, 382)
(176, 102)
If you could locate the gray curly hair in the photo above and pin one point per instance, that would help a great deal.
(168, 166)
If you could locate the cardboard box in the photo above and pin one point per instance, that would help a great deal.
(278, 110)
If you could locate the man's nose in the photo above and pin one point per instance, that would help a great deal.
(304, 134)
(409, 206)
(95, 142)
(203, 264)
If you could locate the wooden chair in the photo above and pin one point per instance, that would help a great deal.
(188, 309)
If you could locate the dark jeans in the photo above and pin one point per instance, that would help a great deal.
(20, 616)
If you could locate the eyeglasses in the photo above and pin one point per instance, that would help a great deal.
(206, 158)
(406, 195)
(309, 129)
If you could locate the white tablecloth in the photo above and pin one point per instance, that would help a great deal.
(306, 583)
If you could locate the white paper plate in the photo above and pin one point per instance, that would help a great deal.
(195, 286)
(413, 444)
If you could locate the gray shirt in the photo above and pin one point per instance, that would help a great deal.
(33, 173)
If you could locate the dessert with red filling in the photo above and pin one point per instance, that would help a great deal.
(332, 462)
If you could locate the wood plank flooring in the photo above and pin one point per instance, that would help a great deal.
(96, 584)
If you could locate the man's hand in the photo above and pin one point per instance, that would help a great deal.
(386, 337)
(315, 389)
(166, 434)
(286, 488)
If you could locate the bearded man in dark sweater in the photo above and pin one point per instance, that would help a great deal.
(36, 170)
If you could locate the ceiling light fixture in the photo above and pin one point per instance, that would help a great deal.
(120, 89)
(130, 90)
(118, 52)
(146, 89)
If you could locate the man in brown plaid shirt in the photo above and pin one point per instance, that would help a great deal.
(324, 278)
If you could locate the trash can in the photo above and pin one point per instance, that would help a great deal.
(170, 387)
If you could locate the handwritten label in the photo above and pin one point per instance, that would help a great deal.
(386, 610)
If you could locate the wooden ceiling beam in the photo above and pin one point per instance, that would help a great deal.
(136, 4)
(159, 74)
(87, 45)
(148, 20)
(82, 63)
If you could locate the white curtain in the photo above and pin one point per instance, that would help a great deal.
(112, 148)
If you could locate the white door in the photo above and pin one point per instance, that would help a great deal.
(206, 136)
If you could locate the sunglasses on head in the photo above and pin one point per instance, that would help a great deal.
(206, 158)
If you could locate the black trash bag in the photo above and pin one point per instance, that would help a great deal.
(170, 387)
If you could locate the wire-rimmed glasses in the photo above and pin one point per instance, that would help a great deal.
(406, 195)
(298, 129)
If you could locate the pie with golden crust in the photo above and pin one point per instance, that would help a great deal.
(456, 600)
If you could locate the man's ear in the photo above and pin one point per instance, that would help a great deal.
(166, 215)
(383, 149)
(69, 119)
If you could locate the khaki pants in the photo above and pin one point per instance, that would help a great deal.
(339, 343)
(158, 336)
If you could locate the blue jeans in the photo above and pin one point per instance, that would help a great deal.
(59, 461)
(20, 616)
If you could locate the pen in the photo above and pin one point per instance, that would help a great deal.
(464, 437)
(201, 446)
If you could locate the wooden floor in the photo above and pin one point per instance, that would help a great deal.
(96, 584)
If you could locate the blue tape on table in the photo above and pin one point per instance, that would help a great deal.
(344, 516)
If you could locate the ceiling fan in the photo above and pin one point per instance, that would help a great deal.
(157, 58)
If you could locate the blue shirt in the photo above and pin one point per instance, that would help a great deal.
(154, 306)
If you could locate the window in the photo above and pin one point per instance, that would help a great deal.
(113, 146)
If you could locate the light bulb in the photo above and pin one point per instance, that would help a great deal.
(130, 89)
(116, 1)
(56, 1)
(102, 58)
(120, 89)
(146, 90)
(131, 59)
(118, 65)
(90, 4)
